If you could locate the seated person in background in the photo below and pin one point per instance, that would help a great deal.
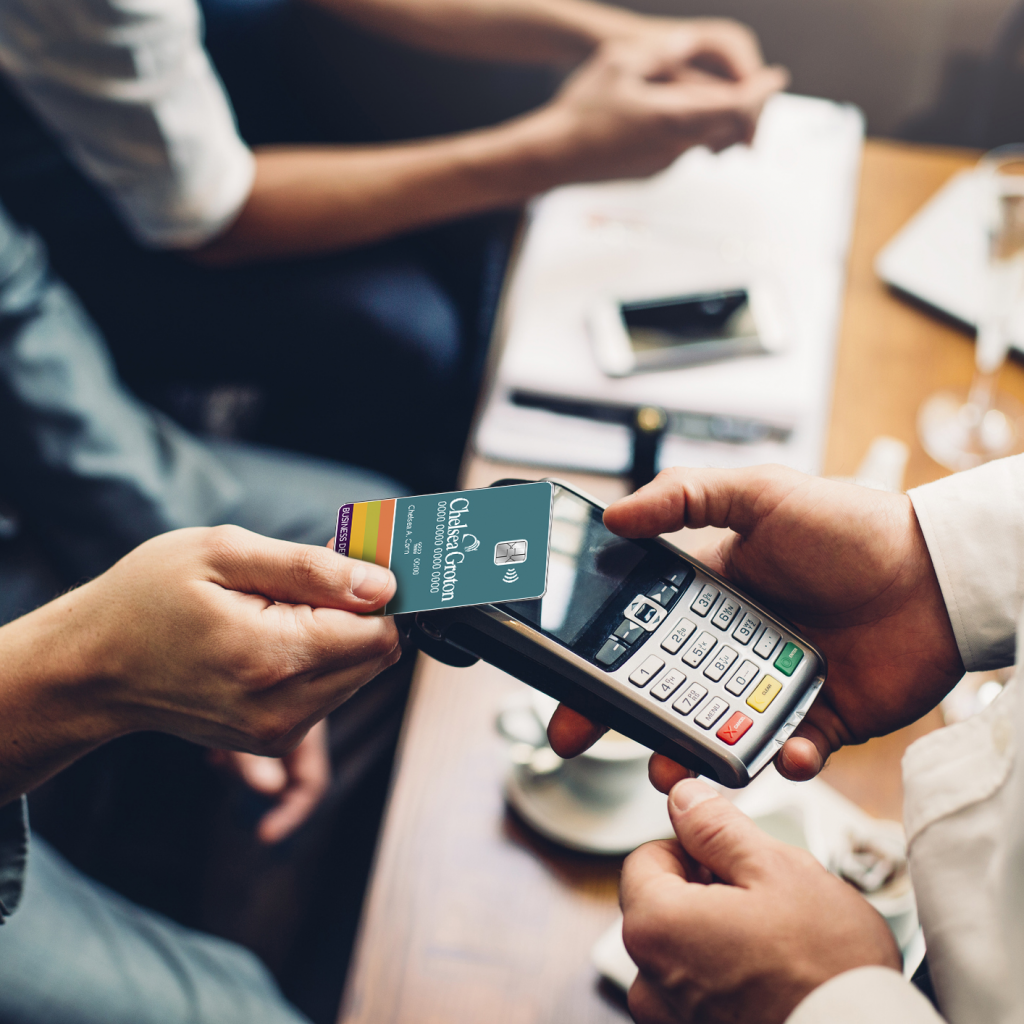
(901, 593)
(141, 164)
(87, 473)
(219, 636)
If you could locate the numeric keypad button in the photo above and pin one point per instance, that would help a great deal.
(746, 628)
(768, 642)
(726, 612)
(703, 602)
(699, 649)
(723, 661)
(681, 632)
(646, 671)
(742, 678)
(668, 684)
(690, 699)
(711, 712)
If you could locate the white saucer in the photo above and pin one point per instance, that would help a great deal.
(547, 805)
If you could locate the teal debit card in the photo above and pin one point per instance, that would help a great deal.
(457, 548)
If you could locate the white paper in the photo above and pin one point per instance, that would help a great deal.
(779, 212)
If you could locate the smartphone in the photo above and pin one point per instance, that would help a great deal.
(684, 330)
(646, 640)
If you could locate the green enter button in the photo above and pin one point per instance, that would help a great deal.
(788, 660)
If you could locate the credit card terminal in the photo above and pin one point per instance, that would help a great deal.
(646, 640)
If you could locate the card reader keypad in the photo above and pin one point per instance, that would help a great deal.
(726, 613)
(681, 632)
(722, 662)
(644, 612)
(704, 600)
(663, 593)
(748, 626)
(629, 632)
(644, 615)
(690, 699)
(677, 579)
(734, 728)
(764, 647)
(788, 660)
(733, 636)
(742, 678)
(711, 712)
(611, 652)
(699, 649)
(646, 671)
(668, 684)
(764, 693)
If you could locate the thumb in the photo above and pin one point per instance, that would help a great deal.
(266, 775)
(678, 497)
(715, 834)
(295, 573)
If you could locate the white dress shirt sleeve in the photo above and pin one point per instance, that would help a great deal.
(973, 524)
(128, 88)
(866, 995)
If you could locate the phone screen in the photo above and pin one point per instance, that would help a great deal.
(688, 320)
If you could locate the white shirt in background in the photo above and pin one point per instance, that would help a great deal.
(963, 785)
(129, 90)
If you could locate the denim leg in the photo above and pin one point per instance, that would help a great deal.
(76, 953)
(294, 497)
(370, 356)
(27, 579)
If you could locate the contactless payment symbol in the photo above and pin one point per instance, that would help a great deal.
(510, 553)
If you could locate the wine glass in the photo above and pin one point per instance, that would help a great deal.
(960, 430)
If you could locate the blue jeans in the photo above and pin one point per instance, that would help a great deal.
(87, 472)
(77, 953)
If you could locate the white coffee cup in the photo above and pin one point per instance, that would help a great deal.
(609, 773)
(606, 775)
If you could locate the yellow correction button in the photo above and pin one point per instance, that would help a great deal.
(764, 693)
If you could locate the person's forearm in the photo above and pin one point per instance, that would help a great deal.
(51, 709)
(311, 200)
(527, 31)
(620, 115)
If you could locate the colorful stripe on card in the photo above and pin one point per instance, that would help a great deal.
(365, 529)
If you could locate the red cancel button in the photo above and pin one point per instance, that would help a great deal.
(734, 728)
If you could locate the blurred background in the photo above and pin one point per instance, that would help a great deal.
(941, 71)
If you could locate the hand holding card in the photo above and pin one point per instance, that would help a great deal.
(455, 548)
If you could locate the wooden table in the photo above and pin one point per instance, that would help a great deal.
(472, 918)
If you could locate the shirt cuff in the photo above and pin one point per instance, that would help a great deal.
(974, 530)
(865, 995)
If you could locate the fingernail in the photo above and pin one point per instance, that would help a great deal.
(368, 580)
(688, 793)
